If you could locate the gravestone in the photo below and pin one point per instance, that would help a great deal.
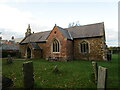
(95, 70)
(9, 59)
(55, 69)
(102, 78)
(109, 56)
(28, 75)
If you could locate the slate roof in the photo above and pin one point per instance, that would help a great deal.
(9, 47)
(65, 33)
(85, 31)
(35, 46)
(36, 37)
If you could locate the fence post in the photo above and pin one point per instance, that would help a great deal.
(95, 70)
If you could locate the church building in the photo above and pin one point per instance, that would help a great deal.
(85, 42)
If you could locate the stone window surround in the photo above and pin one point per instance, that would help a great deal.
(80, 46)
(52, 45)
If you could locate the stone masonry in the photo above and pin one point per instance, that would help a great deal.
(41, 44)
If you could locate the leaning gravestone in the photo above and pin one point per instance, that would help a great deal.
(102, 78)
(28, 75)
(55, 69)
(95, 70)
(9, 59)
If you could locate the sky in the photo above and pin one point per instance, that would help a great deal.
(42, 15)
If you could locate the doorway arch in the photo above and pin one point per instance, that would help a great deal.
(28, 52)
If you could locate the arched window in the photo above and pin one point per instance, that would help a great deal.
(56, 46)
(84, 47)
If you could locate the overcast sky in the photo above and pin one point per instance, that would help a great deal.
(42, 15)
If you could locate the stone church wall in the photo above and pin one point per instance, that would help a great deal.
(64, 54)
(34, 53)
(44, 50)
(70, 49)
(96, 49)
(23, 50)
(37, 54)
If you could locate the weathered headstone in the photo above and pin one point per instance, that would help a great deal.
(95, 70)
(28, 75)
(9, 59)
(109, 56)
(102, 78)
(55, 69)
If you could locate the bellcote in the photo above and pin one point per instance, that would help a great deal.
(28, 31)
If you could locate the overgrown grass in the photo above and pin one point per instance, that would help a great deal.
(72, 74)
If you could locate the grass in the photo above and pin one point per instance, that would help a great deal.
(72, 74)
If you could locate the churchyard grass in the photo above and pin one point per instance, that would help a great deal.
(72, 74)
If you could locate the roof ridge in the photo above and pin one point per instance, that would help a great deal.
(93, 24)
(61, 27)
(85, 25)
(41, 32)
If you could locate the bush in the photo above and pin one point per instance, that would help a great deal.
(11, 53)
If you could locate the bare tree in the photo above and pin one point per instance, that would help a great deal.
(74, 24)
